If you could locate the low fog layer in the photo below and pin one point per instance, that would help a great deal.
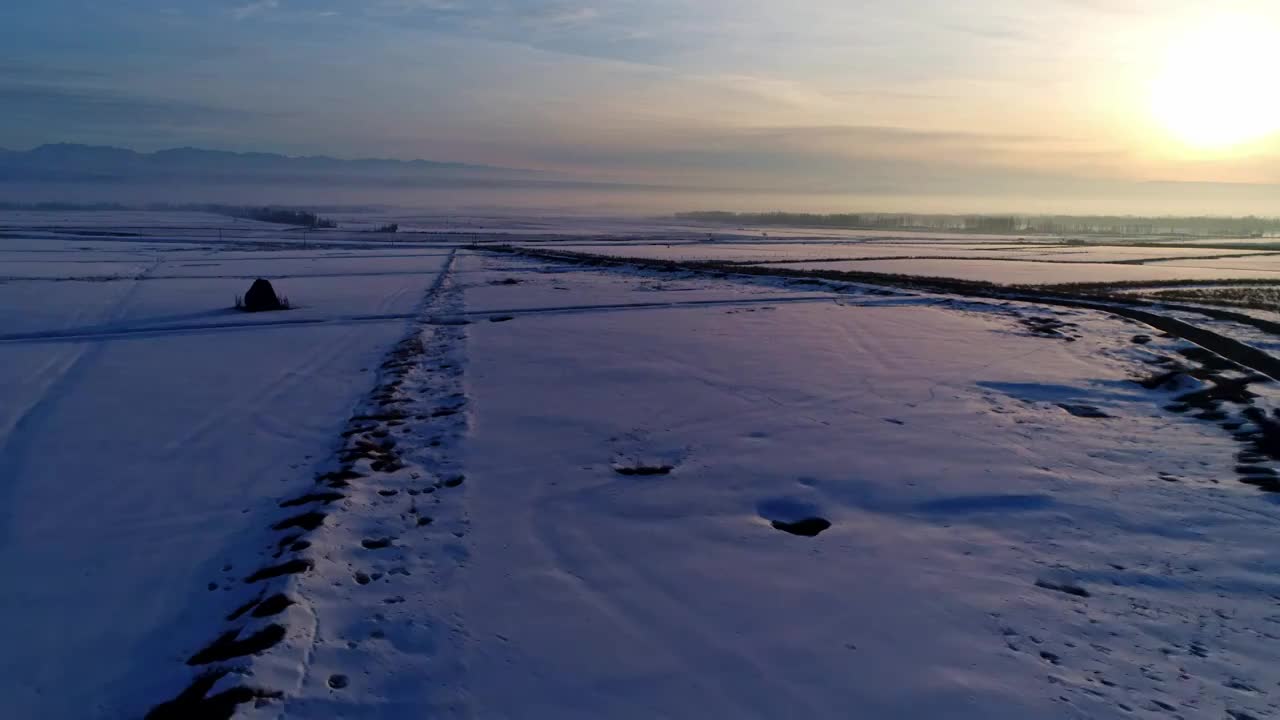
(91, 174)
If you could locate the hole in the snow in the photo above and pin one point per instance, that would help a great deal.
(808, 527)
(643, 470)
(796, 517)
(1063, 587)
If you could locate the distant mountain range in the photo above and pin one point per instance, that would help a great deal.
(62, 163)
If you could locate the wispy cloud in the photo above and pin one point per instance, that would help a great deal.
(252, 9)
(93, 106)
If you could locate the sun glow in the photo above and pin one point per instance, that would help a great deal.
(1217, 88)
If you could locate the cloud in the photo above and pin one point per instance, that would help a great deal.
(34, 72)
(258, 7)
(91, 107)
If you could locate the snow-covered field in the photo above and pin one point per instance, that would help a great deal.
(1008, 263)
(465, 484)
(146, 430)
(1017, 272)
(764, 252)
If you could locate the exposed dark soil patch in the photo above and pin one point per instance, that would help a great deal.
(1265, 483)
(387, 465)
(1084, 411)
(1051, 327)
(338, 682)
(292, 567)
(305, 521)
(454, 481)
(194, 703)
(273, 605)
(319, 497)
(1208, 359)
(240, 611)
(1067, 588)
(808, 527)
(339, 478)
(1164, 380)
(1225, 384)
(229, 645)
(643, 470)
(376, 543)
(1233, 390)
(383, 417)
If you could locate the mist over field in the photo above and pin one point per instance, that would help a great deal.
(85, 174)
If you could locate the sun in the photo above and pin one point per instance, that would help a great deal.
(1217, 88)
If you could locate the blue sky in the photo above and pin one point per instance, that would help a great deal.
(820, 95)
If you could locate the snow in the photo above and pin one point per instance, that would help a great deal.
(593, 473)
(589, 594)
(764, 252)
(1014, 272)
(1265, 265)
(139, 465)
(767, 252)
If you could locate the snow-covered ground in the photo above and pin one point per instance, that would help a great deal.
(145, 431)
(1019, 272)
(765, 252)
(566, 492)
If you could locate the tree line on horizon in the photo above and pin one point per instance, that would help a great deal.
(1249, 226)
(269, 214)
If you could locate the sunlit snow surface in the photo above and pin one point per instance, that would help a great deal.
(993, 551)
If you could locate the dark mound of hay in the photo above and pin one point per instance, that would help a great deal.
(261, 298)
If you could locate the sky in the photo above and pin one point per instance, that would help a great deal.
(935, 104)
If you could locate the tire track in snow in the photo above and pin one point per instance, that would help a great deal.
(59, 374)
(108, 332)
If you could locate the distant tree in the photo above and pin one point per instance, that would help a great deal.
(1127, 226)
(281, 216)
